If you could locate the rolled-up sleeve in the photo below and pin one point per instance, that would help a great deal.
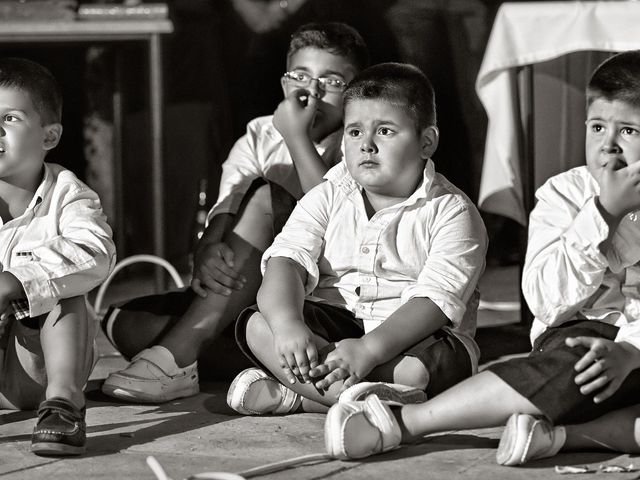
(302, 237)
(239, 170)
(564, 266)
(454, 261)
(73, 262)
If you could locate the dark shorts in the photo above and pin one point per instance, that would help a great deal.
(443, 355)
(546, 376)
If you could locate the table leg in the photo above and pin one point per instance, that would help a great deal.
(155, 92)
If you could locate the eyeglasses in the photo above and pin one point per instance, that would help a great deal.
(328, 84)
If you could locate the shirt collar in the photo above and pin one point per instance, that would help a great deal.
(43, 188)
(339, 175)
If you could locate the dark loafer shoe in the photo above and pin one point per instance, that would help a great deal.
(61, 429)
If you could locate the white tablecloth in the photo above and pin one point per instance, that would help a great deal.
(523, 34)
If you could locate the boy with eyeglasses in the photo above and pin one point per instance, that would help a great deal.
(279, 158)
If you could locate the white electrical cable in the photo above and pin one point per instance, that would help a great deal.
(97, 305)
(252, 472)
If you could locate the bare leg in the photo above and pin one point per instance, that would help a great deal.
(188, 336)
(66, 344)
(483, 400)
(205, 318)
(618, 430)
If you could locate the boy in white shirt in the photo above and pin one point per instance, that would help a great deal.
(578, 388)
(290, 150)
(374, 274)
(55, 246)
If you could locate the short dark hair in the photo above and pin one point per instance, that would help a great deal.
(335, 37)
(38, 82)
(400, 84)
(617, 78)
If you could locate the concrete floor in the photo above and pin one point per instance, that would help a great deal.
(201, 434)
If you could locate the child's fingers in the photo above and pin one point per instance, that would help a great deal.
(319, 371)
(612, 387)
(227, 255)
(352, 380)
(196, 286)
(597, 384)
(592, 355)
(288, 362)
(589, 374)
(302, 362)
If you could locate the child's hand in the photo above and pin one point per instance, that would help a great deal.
(214, 270)
(620, 188)
(294, 116)
(350, 361)
(605, 365)
(296, 348)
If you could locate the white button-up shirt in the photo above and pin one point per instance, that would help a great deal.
(432, 245)
(566, 276)
(263, 153)
(61, 245)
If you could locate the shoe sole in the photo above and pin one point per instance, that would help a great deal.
(143, 397)
(506, 454)
(51, 449)
(385, 393)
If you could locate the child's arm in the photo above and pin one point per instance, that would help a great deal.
(280, 299)
(291, 271)
(568, 241)
(353, 359)
(75, 261)
(240, 169)
(293, 119)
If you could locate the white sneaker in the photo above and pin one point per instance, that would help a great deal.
(360, 429)
(389, 393)
(526, 437)
(254, 392)
(153, 377)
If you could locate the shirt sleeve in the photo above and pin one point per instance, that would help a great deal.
(563, 266)
(455, 260)
(302, 237)
(239, 170)
(75, 261)
(629, 333)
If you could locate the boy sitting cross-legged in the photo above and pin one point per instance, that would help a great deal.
(578, 388)
(55, 245)
(374, 274)
(288, 152)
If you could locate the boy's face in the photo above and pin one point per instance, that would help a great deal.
(384, 152)
(613, 135)
(318, 64)
(24, 141)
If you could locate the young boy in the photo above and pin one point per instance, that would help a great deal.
(55, 246)
(374, 274)
(578, 388)
(291, 150)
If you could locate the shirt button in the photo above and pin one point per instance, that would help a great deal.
(365, 250)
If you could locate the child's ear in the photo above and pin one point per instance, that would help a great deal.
(283, 84)
(52, 135)
(429, 141)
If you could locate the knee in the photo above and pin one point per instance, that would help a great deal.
(70, 306)
(257, 332)
(411, 372)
